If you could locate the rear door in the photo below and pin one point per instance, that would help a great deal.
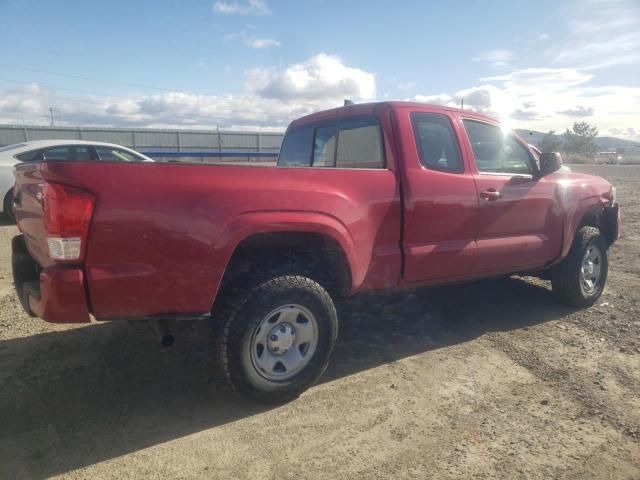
(440, 198)
(519, 222)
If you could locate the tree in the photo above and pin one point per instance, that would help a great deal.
(550, 142)
(579, 140)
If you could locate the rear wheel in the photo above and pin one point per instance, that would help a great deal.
(580, 278)
(277, 338)
(7, 206)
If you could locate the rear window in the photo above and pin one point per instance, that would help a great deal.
(359, 144)
(349, 143)
(324, 146)
(29, 156)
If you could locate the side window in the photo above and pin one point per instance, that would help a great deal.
(82, 153)
(324, 146)
(359, 144)
(296, 148)
(437, 144)
(495, 151)
(57, 153)
(108, 154)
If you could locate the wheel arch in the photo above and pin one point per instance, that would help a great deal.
(589, 213)
(319, 245)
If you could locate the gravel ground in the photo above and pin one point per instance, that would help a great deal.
(488, 380)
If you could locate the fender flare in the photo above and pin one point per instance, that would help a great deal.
(574, 220)
(248, 224)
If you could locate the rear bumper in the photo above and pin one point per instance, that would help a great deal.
(55, 294)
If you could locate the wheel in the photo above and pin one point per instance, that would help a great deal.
(7, 206)
(276, 341)
(580, 278)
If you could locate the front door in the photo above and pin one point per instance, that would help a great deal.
(519, 222)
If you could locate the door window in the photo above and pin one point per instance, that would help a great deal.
(110, 154)
(497, 152)
(437, 145)
(57, 153)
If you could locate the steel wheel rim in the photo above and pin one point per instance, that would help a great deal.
(284, 342)
(591, 270)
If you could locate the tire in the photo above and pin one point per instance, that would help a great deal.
(274, 342)
(570, 284)
(7, 206)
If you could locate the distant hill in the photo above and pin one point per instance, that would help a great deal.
(603, 143)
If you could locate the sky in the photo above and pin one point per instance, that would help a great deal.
(258, 64)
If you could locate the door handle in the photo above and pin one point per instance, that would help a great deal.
(490, 194)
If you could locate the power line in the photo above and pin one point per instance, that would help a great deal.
(69, 75)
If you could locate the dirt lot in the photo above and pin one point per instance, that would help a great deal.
(488, 380)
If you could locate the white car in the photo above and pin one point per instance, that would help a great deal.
(61, 150)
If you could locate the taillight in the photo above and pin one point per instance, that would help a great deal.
(67, 216)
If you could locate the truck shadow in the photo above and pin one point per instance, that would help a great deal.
(73, 398)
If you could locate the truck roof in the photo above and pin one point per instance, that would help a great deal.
(372, 107)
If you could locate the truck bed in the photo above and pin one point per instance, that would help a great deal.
(161, 235)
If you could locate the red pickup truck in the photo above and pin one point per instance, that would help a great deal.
(373, 196)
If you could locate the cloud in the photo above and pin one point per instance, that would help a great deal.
(253, 41)
(543, 98)
(535, 79)
(578, 111)
(487, 99)
(629, 133)
(524, 115)
(497, 58)
(261, 42)
(542, 37)
(601, 33)
(272, 99)
(251, 7)
(406, 86)
(321, 77)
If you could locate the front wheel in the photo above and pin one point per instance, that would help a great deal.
(580, 278)
(275, 341)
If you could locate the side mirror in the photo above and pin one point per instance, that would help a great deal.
(550, 162)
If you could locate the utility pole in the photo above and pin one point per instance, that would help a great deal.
(462, 103)
(51, 111)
